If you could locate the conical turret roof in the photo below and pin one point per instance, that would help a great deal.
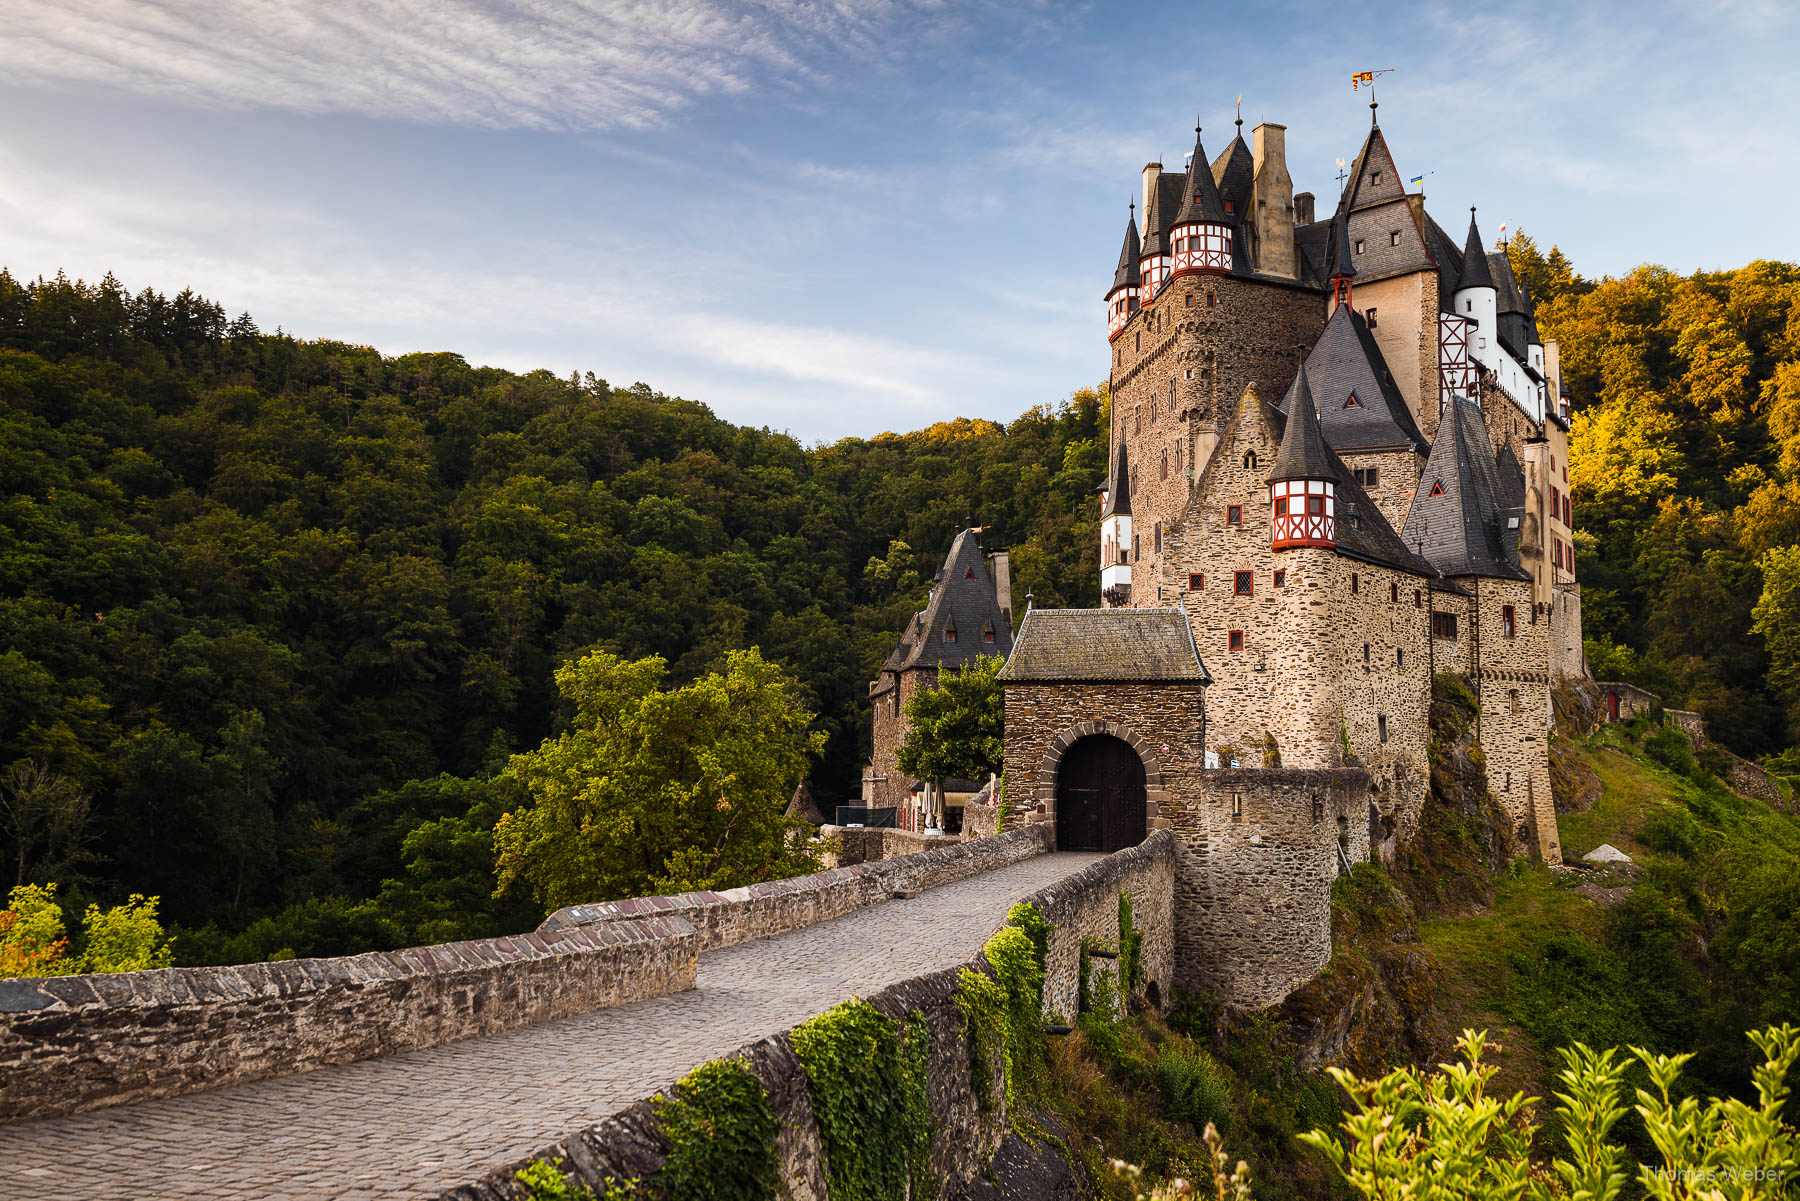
(1475, 273)
(1303, 455)
(1341, 267)
(1127, 274)
(1200, 196)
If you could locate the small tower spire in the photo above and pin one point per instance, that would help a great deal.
(1373, 123)
(1342, 270)
(1475, 273)
(1122, 299)
(1303, 484)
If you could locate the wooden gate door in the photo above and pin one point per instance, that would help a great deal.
(1100, 801)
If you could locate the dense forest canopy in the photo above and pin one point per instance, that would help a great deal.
(280, 610)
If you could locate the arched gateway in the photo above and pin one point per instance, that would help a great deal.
(1101, 803)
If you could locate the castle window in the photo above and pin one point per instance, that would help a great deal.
(1437, 487)
(1418, 598)
(1315, 506)
(1281, 503)
(1318, 809)
(987, 633)
(1237, 806)
(1206, 375)
(969, 574)
(1162, 470)
(1375, 177)
(1178, 458)
(1381, 726)
(1135, 557)
(1243, 583)
(1468, 306)
(1352, 402)
(1196, 581)
(1250, 460)
(1359, 245)
(1235, 640)
(1355, 584)
(1280, 578)
(1211, 301)
(1234, 514)
(1507, 627)
(1512, 700)
(1190, 300)
(1137, 419)
(1393, 593)
(1443, 625)
(1366, 476)
(1158, 538)
(1399, 656)
(1393, 237)
(1508, 782)
(1365, 652)
(1230, 206)
(949, 633)
(1370, 315)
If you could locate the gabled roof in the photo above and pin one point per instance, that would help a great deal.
(1235, 173)
(1459, 512)
(804, 807)
(1302, 455)
(1346, 362)
(1361, 188)
(1118, 493)
(1127, 274)
(963, 600)
(1475, 272)
(1200, 193)
(1144, 645)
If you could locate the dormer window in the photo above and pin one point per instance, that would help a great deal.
(949, 633)
(1437, 487)
(1359, 246)
(969, 574)
(1352, 402)
(1230, 205)
(987, 633)
(1393, 237)
(1375, 177)
(1369, 316)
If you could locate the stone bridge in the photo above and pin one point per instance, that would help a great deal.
(437, 1071)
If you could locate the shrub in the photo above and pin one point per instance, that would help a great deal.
(1672, 831)
(125, 938)
(1193, 1085)
(31, 934)
(1669, 746)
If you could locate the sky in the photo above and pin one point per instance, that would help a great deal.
(831, 217)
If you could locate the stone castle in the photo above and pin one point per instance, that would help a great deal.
(1338, 465)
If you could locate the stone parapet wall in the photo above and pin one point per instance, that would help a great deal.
(723, 919)
(980, 821)
(633, 1145)
(74, 1043)
(869, 844)
(1632, 699)
(1086, 905)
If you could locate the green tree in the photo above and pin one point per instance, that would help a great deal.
(660, 790)
(44, 815)
(954, 730)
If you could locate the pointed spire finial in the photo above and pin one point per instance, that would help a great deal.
(1372, 107)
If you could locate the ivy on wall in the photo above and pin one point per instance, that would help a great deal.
(1131, 949)
(868, 1084)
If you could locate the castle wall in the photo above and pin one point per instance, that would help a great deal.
(1210, 352)
(1406, 330)
(888, 731)
(1396, 479)
(1259, 850)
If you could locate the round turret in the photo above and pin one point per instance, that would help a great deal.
(1303, 485)
(1201, 237)
(1122, 299)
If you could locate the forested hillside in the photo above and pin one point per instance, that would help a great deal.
(1685, 465)
(278, 607)
(281, 610)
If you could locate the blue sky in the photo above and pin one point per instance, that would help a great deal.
(834, 217)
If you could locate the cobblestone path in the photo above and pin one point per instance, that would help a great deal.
(416, 1124)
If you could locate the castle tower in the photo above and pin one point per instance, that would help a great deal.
(1201, 236)
(1303, 485)
(1122, 300)
(1343, 273)
(1153, 257)
(1477, 300)
(1115, 535)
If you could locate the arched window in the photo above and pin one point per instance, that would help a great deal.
(1163, 471)
(1249, 460)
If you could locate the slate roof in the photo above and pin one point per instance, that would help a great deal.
(1475, 273)
(1341, 266)
(1302, 455)
(1312, 252)
(1118, 496)
(1512, 478)
(1464, 526)
(964, 600)
(1235, 173)
(1149, 645)
(1200, 192)
(1360, 187)
(1127, 274)
(1159, 217)
(1448, 257)
(803, 806)
(1346, 362)
(1361, 530)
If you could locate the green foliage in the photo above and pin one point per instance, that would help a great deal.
(1442, 1137)
(1670, 746)
(1099, 1018)
(868, 1090)
(1017, 953)
(982, 1004)
(721, 1135)
(124, 938)
(1131, 948)
(257, 588)
(954, 729)
(1194, 1087)
(655, 790)
(32, 942)
(545, 1182)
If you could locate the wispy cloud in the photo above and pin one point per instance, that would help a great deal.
(544, 64)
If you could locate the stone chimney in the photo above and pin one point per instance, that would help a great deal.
(1151, 171)
(1272, 205)
(1000, 571)
(1303, 209)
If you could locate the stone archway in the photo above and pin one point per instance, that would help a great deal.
(1101, 803)
(1049, 768)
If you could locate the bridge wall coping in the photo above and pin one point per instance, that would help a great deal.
(723, 919)
(69, 1044)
